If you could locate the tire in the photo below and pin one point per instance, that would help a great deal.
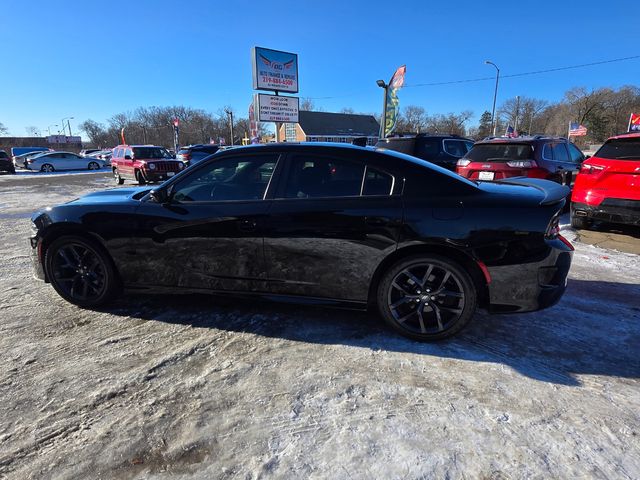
(446, 303)
(81, 271)
(47, 167)
(140, 178)
(116, 175)
(93, 166)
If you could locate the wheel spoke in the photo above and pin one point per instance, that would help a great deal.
(413, 278)
(68, 262)
(427, 275)
(402, 301)
(450, 293)
(436, 310)
(400, 287)
(449, 309)
(421, 320)
(447, 275)
(404, 318)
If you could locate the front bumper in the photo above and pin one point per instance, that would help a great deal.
(155, 176)
(36, 260)
(528, 287)
(613, 210)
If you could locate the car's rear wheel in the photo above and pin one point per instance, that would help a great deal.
(581, 223)
(81, 271)
(427, 297)
(94, 166)
(116, 175)
(47, 167)
(140, 178)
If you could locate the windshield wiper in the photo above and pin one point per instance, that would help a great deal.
(634, 157)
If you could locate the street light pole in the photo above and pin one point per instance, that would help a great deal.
(383, 122)
(49, 127)
(63, 127)
(494, 124)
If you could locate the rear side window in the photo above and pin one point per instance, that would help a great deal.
(317, 177)
(560, 153)
(403, 145)
(576, 155)
(495, 152)
(377, 182)
(620, 149)
(428, 148)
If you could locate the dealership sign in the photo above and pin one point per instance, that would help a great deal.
(63, 139)
(272, 108)
(274, 70)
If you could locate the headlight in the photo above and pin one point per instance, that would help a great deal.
(181, 165)
(152, 166)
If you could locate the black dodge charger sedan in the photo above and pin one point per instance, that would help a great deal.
(317, 223)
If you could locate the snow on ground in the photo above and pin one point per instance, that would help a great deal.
(176, 387)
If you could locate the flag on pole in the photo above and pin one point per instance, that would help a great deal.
(393, 103)
(634, 123)
(577, 130)
(511, 132)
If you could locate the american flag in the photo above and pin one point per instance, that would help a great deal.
(511, 132)
(577, 130)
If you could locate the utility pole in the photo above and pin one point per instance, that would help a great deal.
(515, 127)
(229, 112)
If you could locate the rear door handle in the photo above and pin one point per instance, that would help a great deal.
(247, 225)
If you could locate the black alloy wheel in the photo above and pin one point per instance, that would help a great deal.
(94, 166)
(47, 167)
(427, 297)
(80, 271)
(116, 175)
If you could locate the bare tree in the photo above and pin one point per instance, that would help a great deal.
(32, 131)
(3, 130)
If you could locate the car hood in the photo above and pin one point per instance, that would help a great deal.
(113, 196)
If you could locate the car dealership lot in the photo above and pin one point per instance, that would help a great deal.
(223, 388)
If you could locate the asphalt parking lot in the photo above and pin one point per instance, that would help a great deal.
(215, 388)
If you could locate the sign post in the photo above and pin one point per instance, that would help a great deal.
(176, 127)
(277, 71)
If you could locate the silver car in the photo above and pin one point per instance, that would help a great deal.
(53, 161)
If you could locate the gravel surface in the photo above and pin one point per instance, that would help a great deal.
(197, 386)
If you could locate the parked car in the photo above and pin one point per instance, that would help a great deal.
(193, 154)
(608, 185)
(443, 150)
(15, 151)
(551, 158)
(19, 154)
(20, 161)
(143, 163)
(6, 164)
(104, 155)
(52, 161)
(88, 151)
(318, 224)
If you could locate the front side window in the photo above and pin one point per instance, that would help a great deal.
(315, 177)
(455, 148)
(620, 149)
(560, 152)
(575, 154)
(228, 179)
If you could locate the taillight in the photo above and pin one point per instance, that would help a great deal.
(591, 169)
(522, 164)
(463, 162)
(553, 230)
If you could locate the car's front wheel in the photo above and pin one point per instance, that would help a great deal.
(140, 178)
(81, 271)
(94, 166)
(427, 297)
(47, 167)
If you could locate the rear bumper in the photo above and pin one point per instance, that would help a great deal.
(531, 286)
(613, 210)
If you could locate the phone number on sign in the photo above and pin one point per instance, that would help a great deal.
(278, 81)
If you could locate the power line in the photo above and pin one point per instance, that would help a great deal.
(523, 74)
(513, 75)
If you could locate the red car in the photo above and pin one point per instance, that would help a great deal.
(539, 156)
(143, 163)
(608, 185)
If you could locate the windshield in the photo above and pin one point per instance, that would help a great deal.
(620, 149)
(495, 152)
(150, 153)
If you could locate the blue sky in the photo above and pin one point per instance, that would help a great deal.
(93, 59)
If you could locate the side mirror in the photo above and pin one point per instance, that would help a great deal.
(161, 195)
